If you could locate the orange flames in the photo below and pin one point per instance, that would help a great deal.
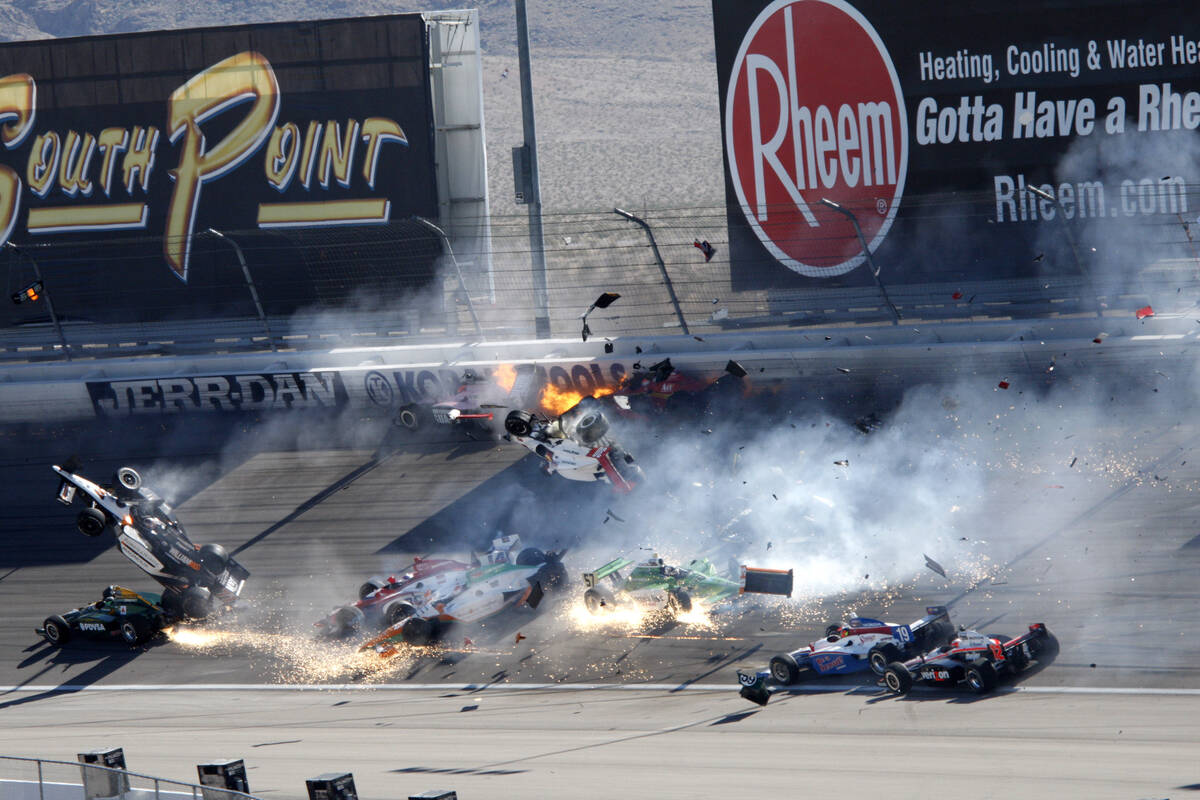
(555, 401)
(505, 376)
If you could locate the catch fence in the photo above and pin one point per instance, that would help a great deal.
(672, 267)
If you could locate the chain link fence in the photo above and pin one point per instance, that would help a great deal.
(672, 268)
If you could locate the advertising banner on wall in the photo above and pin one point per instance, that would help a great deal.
(961, 137)
(118, 153)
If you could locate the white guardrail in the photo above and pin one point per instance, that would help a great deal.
(377, 380)
(43, 779)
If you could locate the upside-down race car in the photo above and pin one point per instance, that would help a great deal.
(661, 388)
(477, 399)
(973, 658)
(653, 580)
(854, 646)
(194, 577)
(410, 606)
(575, 445)
(119, 613)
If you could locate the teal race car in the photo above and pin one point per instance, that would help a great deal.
(120, 613)
(654, 581)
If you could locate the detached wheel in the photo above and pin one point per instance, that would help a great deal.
(897, 678)
(592, 427)
(552, 575)
(530, 557)
(56, 630)
(129, 479)
(784, 669)
(519, 423)
(598, 601)
(981, 677)
(881, 655)
(346, 620)
(196, 603)
(679, 602)
(91, 522)
(131, 633)
(407, 418)
(417, 631)
(214, 558)
(1047, 649)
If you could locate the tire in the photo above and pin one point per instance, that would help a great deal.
(91, 522)
(345, 621)
(132, 634)
(417, 631)
(784, 669)
(1047, 649)
(897, 679)
(56, 630)
(598, 601)
(519, 423)
(214, 558)
(370, 587)
(408, 418)
(398, 612)
(981, 677)
(592, 427)
(129, 479)
(679, 602)
(530, 557)
(881, 655)
(552, 575)
(196, 603)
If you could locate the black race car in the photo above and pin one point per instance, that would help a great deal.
(120, 613)
(197, 579)
(973, 658)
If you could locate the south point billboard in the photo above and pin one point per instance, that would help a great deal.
(300, 141)
(960, 136)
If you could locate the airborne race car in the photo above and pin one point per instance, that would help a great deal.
(194, 577)
(973, 658)
(854, 646)
(653, 579)
(119, 613)
(575, 445)
(476, 400)
(410, 606)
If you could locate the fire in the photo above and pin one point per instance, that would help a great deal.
(505, 376)
(555, 401)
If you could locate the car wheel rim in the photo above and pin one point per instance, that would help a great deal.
(52, 633)
(128, 633)
(974, 681)
(893, 682)
(780, 674)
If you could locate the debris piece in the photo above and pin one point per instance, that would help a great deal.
(608, 347)
(706, 248)
(1098, 340)
(829, 338)
(716, 300)
(520, 636)
(1037, 259)
(637, 349)
(935, 566)
(1073, 460)
(467, 642)
(773, 495)
(845, 462)
(843, 370)
(609, 512)
(697, 338)
(472, 707)
(957, 296)
(719, 314)
(1143, 312)
(1003, 384)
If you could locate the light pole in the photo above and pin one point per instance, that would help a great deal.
(37, 273)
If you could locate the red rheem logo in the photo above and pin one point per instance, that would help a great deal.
(813, 111)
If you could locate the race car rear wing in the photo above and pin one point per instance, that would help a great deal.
(590, 579)
(755, 580)
(932, 614)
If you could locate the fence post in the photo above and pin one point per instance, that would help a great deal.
(1049, 198)
(862, 240)
(462, 284)
(37, 273)
(661, 265)
(249, 284)
(41, 788)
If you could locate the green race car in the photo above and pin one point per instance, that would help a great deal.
(119, 613)
(654, 580)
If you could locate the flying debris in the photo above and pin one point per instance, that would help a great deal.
(1003, 384)
(1144, 311)
(845, 462)
(519, 638)
(30, 293)
(706, 248)
(957, 296)
(603, 301)
(843, 370)
(935, 566)
(609, 512)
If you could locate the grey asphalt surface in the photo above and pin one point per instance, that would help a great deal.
(1104, 551)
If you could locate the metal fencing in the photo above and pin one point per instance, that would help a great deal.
(43, 779)
(672, 268)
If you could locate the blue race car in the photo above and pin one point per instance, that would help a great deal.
(860, 644)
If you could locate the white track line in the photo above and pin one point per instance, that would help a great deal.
(69, 688)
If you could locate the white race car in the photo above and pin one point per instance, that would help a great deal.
(575, 445)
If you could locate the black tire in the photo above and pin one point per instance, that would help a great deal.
(408, 418)
(56, 630)
(370, 587)
(398, 612)
(551, 576)
(897, 679)
(881, 655)
(519, 423)
(591, 427)
(1047, 648)
(530, 557)
(132, 633)
(91, 522)
(981, 677)
(784, 669)
(598, 601)
(214, 558)
(196, 603)
(417, 631)
(679, 602)
(129, 481)
(345, 621)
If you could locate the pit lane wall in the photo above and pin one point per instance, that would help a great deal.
(378, 381)
(971, 140)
